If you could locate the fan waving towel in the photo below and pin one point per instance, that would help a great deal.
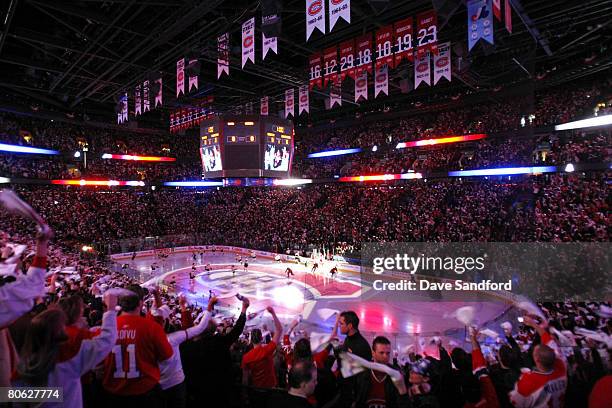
(12, 203)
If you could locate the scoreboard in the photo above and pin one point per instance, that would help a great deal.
(246, 146)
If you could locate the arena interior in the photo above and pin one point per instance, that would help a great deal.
(313, 203)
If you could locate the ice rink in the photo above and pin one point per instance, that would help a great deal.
(313, 296)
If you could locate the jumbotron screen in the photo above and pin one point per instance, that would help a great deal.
(246, 146)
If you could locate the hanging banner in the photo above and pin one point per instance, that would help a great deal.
(158, 96)
(248, 108)
(339, 9)
(497, 9)
(303, 100)
(289, 103)
(248, 41)
(124, 108)
(381, 81)
(223, 55)
(422, 71)
(330, 65)
(138, 106)
(508, 16)
(384, 49)
(480, 22)
(347, 59)
(146, 102)
(361, 87)
(263, 108)
(268, 44)
(315, 16)
(364, 54)
(442, 63)
(180, 77)
(193, 80)
(427, 33)
(335, 93)
(403, 40)
(315, 71)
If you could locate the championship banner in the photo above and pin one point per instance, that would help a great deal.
(315, 71)
(347, 59)
(508, 16)
(248, 41)
(335, 93)
(442, 63)
(364, 54)
(422, 71)
(330, 65)
(223, 55)
(268, 44)
(289, 103)
(248, 108)
(158, 96)
(146, 102)
(497, 9)
(193, 80)
(361, 87)
(427, 33)
(138, 106)
(315, 16)
(403, 40)
(180, 77)
(480, 22)
(384, 47)
(381, 81)
(124, 108)
(263, 108)
(339, 9)
(303, 100)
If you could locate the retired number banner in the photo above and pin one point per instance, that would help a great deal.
(403, 40)
(223, 56)
(347, 59)
(315, 71)
(364, 54)
(384, 47)
(330, 65)
(427, 33)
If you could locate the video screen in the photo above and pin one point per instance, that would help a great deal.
(278, 148)
(276, 158)
(211, 158)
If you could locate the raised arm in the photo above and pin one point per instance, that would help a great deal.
(278, 327)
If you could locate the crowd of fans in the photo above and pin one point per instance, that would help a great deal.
(109, 342)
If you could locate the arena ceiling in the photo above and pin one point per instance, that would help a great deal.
(79, 55)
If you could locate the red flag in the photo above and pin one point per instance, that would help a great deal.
(403, 40)
(384, 47)
(315, 71)
(347, 59)
(427, 33)
(364, 54)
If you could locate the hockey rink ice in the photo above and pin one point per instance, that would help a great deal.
(314, 297)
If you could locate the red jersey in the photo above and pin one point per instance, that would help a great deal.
(260, 363)
(536, 389)
(376, 396)
(71, 347)
(132, 367)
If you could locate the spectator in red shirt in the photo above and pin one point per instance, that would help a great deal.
(131, 371)
(258, 364)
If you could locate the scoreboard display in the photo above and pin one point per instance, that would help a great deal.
(246, 146)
